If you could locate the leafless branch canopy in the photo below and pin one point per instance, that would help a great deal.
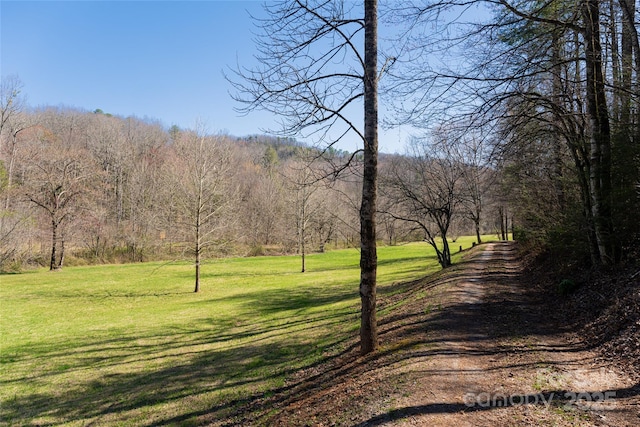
(310, 68)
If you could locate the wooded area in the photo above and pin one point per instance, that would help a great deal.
(85, 187)
(554, 88)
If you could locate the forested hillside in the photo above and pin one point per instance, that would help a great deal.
(88, 187)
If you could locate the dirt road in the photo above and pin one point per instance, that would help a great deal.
(470, 347)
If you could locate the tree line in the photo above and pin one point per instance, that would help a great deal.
(557, 86)
(112, 189)
(89, 187)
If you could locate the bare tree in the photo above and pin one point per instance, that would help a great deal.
(12, 123)
(600, 133)
(301, 182)
(145, 152)
(317, 60)
(108, 146)
(11, 105)
(536, 63)
(56, 181)
(423, 189)
(311, 199)
(200, 173)
(264, 207)
(468, 150)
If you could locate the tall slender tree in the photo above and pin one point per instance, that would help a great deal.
(317, 59)
(12, 123)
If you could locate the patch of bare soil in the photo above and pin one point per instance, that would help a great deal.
(476, 345)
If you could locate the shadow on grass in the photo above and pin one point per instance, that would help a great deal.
(208, 372)
(267, 302)
(233, 372)
(211, 362)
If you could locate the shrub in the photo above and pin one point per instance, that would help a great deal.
(257, 250)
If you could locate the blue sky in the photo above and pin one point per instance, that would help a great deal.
(157, 59)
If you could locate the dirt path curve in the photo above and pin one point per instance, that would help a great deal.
(470, 347)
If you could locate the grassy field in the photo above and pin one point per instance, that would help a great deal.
(133, 345)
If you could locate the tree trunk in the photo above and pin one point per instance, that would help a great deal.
(12, 156)
(557, 60)
(54, 242)
(600, 135)
(303, 248)
(579, 148)
(61, 261)
(617, 101)
(368, 253)
(628, 19)
(502, 215)
(197, 288)
(506, 225)
(303, 226)
(446, 253)
(625, 81)
(198, 247)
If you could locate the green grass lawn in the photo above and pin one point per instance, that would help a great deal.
(133, 345)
